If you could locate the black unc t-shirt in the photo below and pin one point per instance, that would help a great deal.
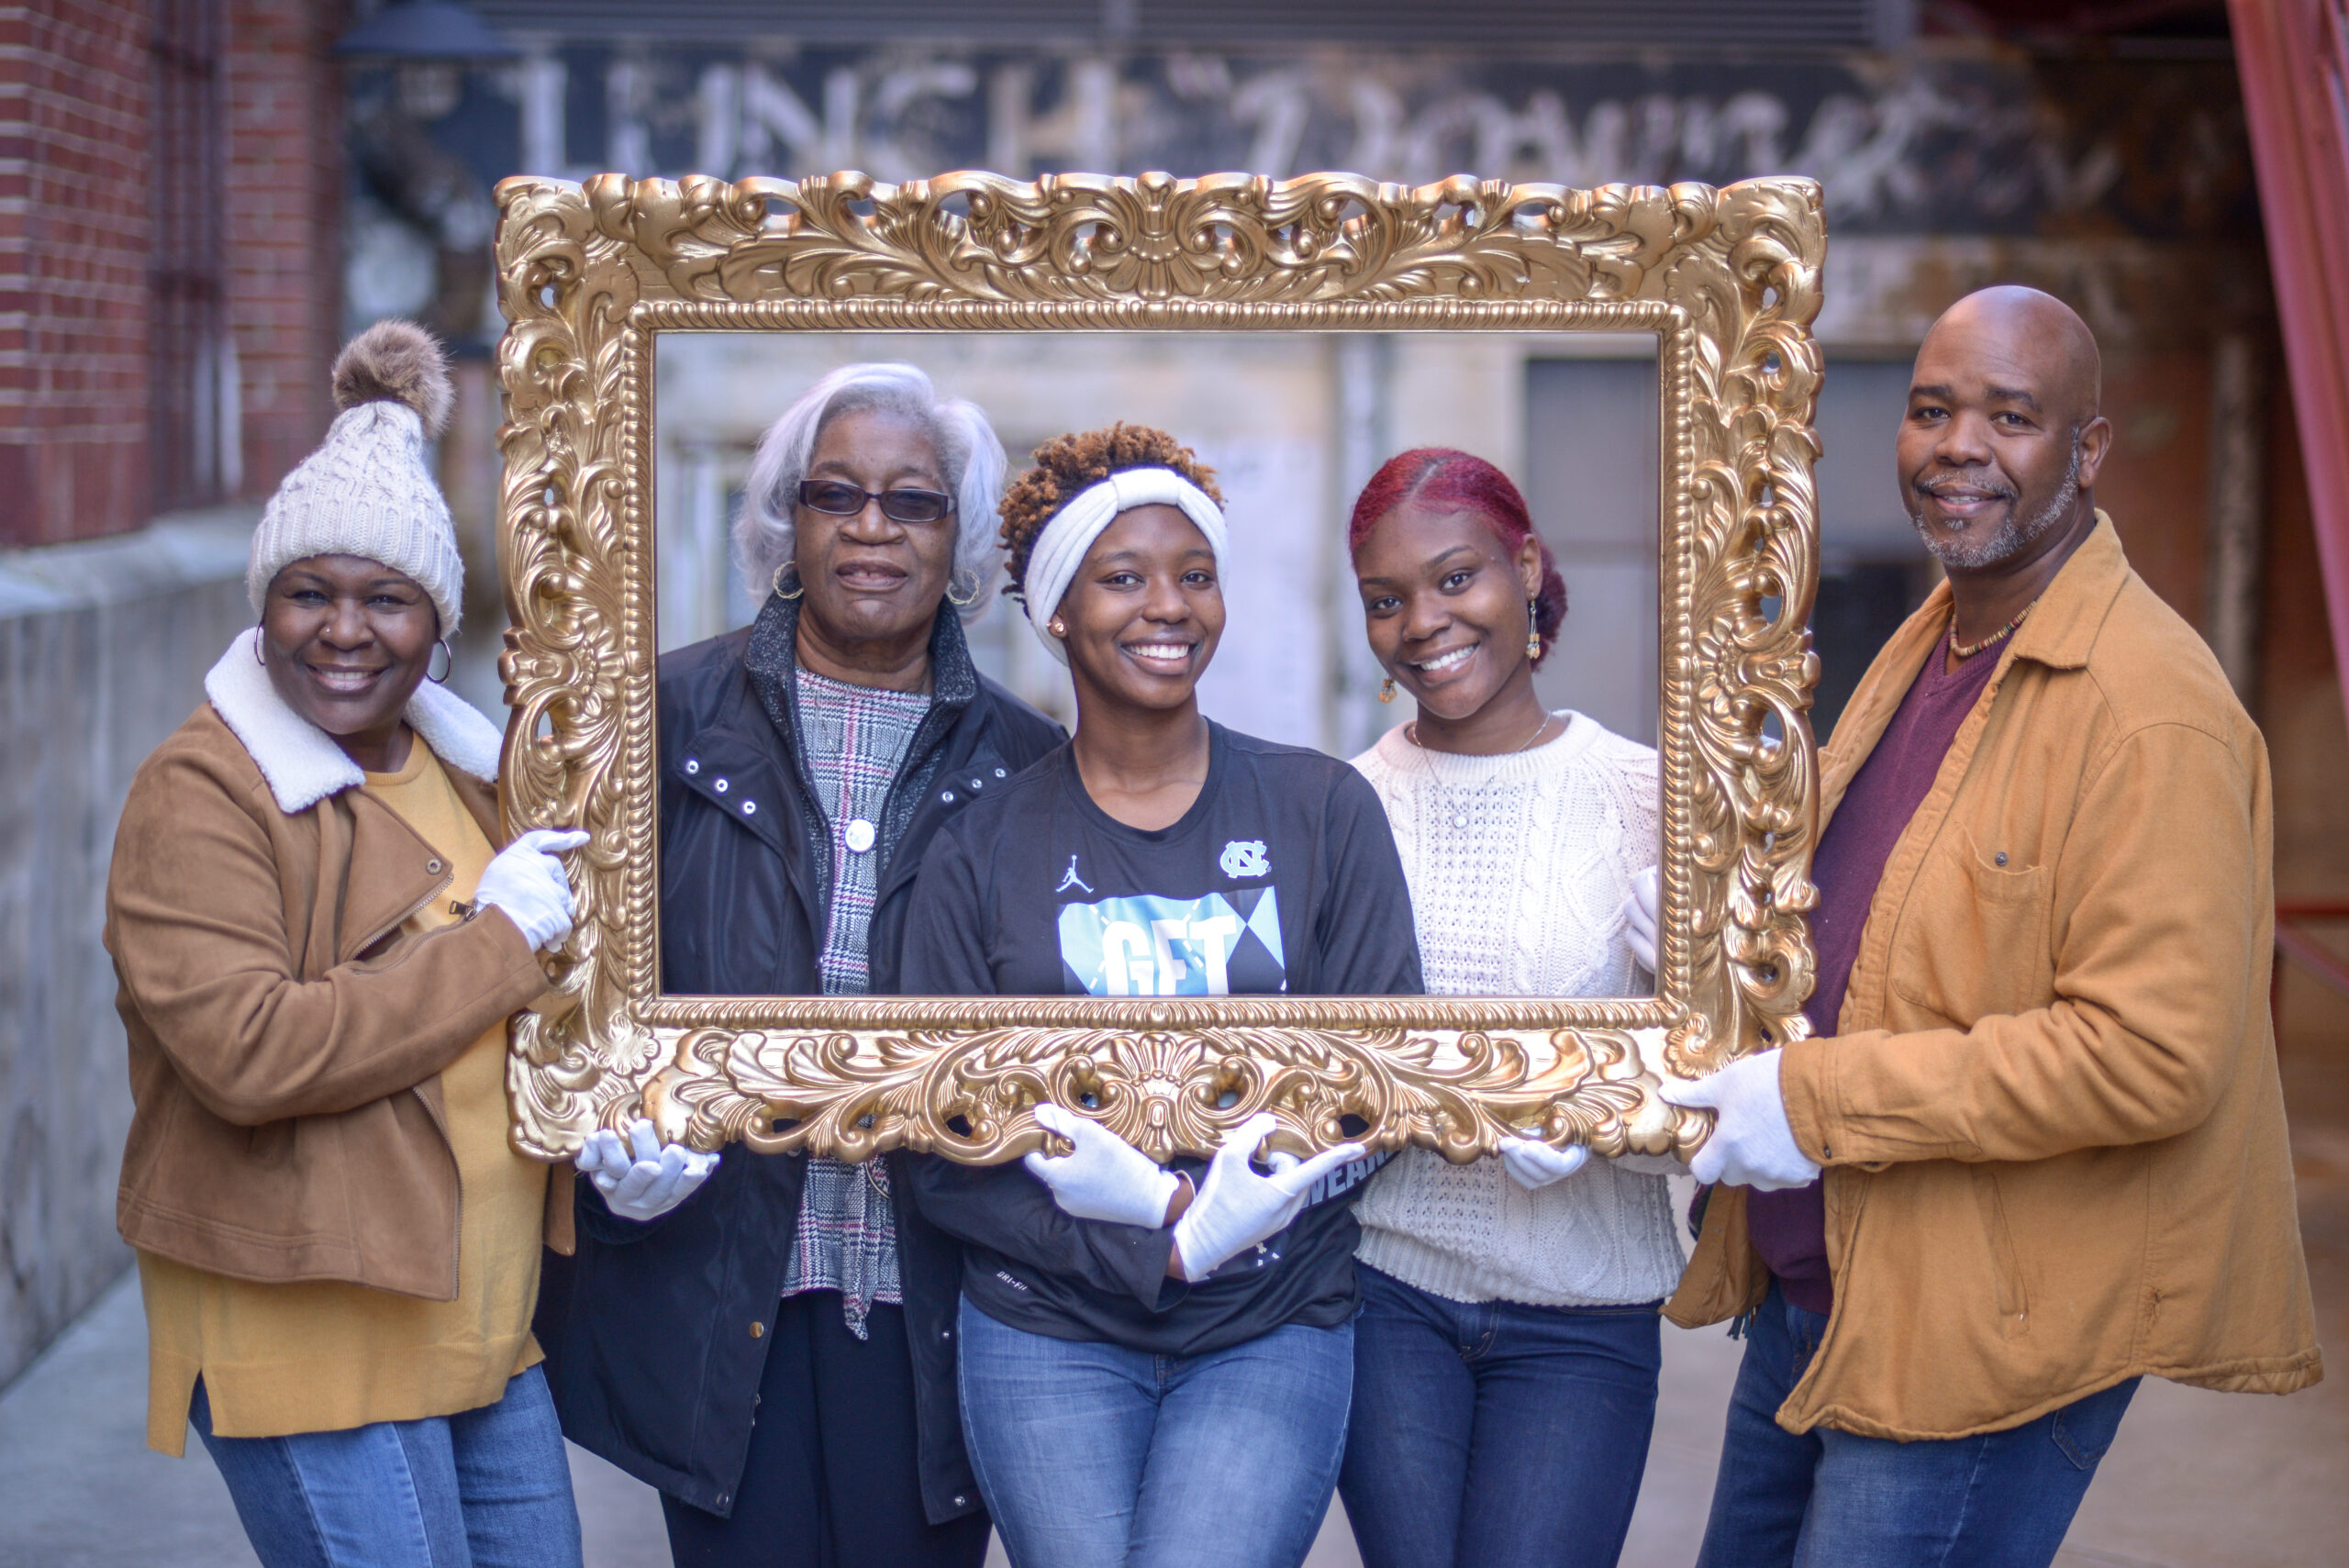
(1282, 878)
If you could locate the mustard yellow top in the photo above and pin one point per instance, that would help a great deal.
(325, 1355)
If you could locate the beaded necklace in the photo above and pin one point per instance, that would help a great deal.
(1969, 650)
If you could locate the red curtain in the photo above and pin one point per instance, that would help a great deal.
(2294, 59)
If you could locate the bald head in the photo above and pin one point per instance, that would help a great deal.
(2002, 441)
(2009, 323)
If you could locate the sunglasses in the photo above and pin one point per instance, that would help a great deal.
(839, 498)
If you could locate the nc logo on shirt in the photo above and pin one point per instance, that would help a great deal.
(1147, 946)
(1245, 856)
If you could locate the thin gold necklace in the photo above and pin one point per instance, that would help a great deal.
(1971, 649)
(1411, 732)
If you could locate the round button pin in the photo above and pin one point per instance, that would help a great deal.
(860, 835)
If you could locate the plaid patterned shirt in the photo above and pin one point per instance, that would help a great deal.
(857, 738)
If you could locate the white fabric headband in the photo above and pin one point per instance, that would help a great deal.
(1059, 549)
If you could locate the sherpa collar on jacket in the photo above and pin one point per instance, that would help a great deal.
(302, 762)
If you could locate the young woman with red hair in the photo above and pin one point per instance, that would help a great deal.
(1506, 1356)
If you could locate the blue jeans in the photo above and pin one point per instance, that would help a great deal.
(1834, 1500)
(1093, 1456)
(487, 1488)
(1496, 1435)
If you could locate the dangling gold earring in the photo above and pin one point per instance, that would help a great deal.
(1532, 631)
(1387, 689)
(798, 587)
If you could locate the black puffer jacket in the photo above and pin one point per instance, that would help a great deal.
(648, 1329)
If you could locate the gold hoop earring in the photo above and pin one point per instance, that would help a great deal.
(798, 587)
(969, 596)
(448, 662)
(1532, 630)
(1387, 689)
(259, 657)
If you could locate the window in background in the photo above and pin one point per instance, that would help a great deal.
(1873, 572)
(195, 436)
(1595, 444)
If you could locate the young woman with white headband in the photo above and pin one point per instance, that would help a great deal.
(1155, 1361)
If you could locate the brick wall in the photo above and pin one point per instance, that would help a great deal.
(74, 88)
(79, 321)
(284, 225)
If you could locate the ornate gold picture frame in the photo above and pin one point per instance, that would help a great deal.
(1728, 281)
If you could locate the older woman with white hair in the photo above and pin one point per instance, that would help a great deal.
(775, 1351)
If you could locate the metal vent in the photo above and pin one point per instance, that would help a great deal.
(1222, 24)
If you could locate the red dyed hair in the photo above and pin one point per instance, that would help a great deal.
(1443, 480)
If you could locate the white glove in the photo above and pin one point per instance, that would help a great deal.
(646, 1181)
(1533, 1165)
(1639, 913)
(1106, 1178)
(528, 883)
(1751, 1144)
(1236, 1208)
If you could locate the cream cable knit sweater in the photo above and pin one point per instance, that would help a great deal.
(1518, 867)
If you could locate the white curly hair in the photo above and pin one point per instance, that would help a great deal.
(968, 451)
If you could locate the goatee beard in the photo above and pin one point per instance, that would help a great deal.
(2014, 536)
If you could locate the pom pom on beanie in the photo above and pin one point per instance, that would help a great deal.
(367, 490)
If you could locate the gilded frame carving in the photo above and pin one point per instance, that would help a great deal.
(1729, 281)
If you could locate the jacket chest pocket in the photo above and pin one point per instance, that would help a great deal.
(1974, 938)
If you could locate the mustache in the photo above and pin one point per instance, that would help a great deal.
(1935, 485)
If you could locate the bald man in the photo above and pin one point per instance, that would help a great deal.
(2035, 1147)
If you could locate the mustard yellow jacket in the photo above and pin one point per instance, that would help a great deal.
(2051, 1119)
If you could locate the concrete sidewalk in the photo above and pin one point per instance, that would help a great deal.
(2195, 1479)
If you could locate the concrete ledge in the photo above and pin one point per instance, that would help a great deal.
(179, 550)
(103, 650)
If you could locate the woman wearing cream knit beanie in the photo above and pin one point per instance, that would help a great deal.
(319, 948)
(367, 490)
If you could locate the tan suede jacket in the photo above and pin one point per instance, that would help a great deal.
(285, 1040)
(2050, 1120)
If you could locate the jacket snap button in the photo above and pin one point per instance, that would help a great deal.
(978, 783)
(433, 867)
(959, 1500)
(758, 1330)
(693, 764)
(999, 772)
(946, 1334)
(724, 1498)
(719, 785)
(948, 798)
(750, 808)
(2001, 856)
